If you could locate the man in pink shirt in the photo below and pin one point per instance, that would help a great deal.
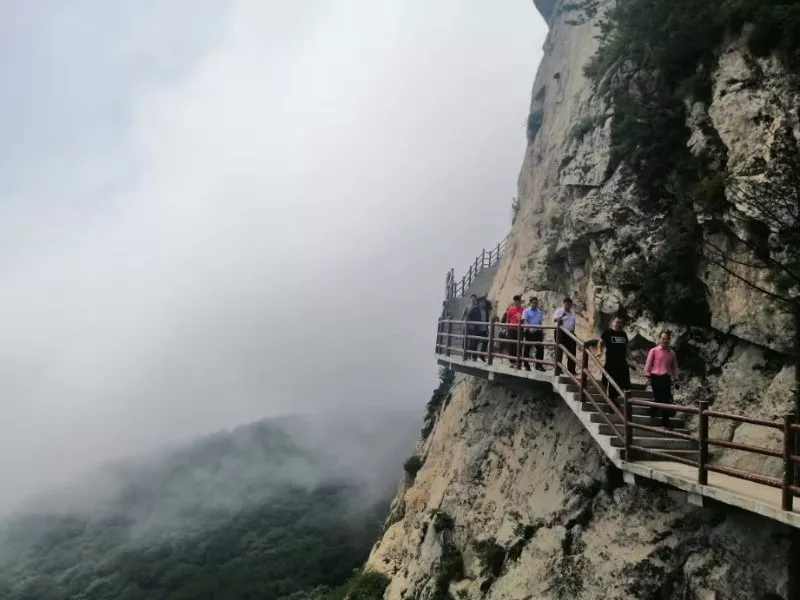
(661, 367)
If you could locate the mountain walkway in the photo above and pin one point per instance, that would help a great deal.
(637, 444)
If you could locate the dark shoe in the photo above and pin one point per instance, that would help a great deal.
(665, 422)
(527, 367)
(539, 368)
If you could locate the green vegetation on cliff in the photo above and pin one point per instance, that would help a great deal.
(655, 58)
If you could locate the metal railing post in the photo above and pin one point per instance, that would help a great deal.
(788, 466)
(490, 345)
(702, 439)
(557, 357)
(465, 345)
(584, 368)
(437, 349)
(628, 414)
(483, 258)
(464, 285)
(449, 338)
(519, 346)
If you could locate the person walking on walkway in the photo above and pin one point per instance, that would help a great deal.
(472, 300)
(513, 317)
(564, 317)
(475, 327)
(660, 369)
(615, 342)
(532, 315)
(486, 316)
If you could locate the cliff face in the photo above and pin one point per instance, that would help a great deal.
(514, 500)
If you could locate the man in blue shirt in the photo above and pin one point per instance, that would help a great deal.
(532, 315)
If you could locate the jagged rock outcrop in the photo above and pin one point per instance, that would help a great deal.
(514, 501)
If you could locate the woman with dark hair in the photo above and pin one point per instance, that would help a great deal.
(486, 315)
(477, 329)
(486, 306)
(660, 369)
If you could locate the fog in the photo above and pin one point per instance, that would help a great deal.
(179, 489)
(217, 212)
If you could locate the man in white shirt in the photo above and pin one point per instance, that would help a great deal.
(564, 317)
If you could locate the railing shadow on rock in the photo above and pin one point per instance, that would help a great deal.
(489, 342)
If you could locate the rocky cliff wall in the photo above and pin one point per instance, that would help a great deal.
(513, 500)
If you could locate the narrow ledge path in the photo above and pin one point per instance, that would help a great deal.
(753, 497)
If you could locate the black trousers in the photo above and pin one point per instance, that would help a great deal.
(534, 335)
(572, 348)
(620, 374)
(662, 393)
(474, 346)
(511, 344)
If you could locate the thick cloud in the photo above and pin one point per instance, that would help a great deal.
(219, 211)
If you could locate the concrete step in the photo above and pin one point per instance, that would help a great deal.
(685, 454)
(589, 407)
(606, 430)
(640, 394)
(659, 443)
(674, 422)
(637, 387)
(638, 411)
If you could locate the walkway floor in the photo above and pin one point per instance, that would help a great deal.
(749, 496)
(754, 497)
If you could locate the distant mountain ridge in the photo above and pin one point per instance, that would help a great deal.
(277, 506)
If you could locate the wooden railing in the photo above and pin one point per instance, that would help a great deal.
(486, 259)
(499, 341)
(787, 426)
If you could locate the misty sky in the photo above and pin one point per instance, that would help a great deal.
(217, 211)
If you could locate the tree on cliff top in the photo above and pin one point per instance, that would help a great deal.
(755, 231)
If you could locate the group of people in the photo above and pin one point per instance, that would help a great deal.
(478, 315)
(661, 366)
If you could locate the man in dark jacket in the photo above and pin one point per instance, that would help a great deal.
(475, 327)
(615, 342)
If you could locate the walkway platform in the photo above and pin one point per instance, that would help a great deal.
(733, 491)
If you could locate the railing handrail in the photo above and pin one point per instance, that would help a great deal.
(788, 484)
(605, 374)
(570, 335)
(457, 288)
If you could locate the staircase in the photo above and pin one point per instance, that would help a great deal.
(687, 449)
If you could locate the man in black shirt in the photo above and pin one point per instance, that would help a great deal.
(615, 342)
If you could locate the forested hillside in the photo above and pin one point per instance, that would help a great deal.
(271, 510)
